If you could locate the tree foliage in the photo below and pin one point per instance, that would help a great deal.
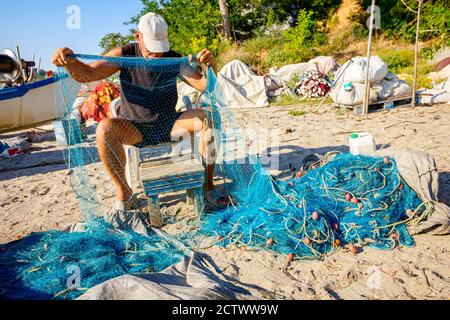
(196, 24)
(113, 40)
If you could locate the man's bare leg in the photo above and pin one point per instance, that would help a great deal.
(192, 122)
(112, 135)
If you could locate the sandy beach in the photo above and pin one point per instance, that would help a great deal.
(36, 195)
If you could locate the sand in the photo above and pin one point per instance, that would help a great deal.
(41, 198)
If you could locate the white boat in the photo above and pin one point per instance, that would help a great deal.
(28, 105)
(26, 100)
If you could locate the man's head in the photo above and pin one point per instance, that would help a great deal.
(152, 35)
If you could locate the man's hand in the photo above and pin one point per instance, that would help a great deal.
(206, 57)
(60, 58)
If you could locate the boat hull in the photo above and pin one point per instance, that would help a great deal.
(28, 105)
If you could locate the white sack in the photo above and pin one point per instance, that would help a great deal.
(433, 96)
(354, 97)
(391, 87)
(354, 70)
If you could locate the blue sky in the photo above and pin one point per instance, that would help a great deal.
(40, 26)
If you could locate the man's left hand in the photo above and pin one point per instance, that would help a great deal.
(206, 57)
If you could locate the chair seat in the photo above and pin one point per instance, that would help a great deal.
(171, 176)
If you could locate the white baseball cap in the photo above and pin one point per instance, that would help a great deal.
(154, 30)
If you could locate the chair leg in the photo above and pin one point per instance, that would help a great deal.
(155, 212)
(199, 205)
(190, 198)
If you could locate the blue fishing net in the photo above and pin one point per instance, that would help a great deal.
(351, 199)
(63, 265)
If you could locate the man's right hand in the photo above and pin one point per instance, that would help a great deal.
(60, 58)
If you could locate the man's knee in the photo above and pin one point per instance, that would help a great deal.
(104, 128)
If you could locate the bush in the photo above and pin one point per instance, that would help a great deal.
(398, 60)
(232, 52)
(288, 56)
(257, 45)
(305, 34)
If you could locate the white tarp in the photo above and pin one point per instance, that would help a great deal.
(440, 93)
(289, 71)
(324, 63)
(240, 87)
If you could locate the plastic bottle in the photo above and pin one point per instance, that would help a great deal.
(362, 143)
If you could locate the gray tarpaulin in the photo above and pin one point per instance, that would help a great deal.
(419, 171)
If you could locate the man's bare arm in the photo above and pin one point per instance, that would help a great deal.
(81, 72)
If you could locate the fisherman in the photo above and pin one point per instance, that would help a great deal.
(141, 122)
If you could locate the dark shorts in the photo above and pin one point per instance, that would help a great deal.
(154, 133)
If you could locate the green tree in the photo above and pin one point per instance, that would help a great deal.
(192, 23)
(399, 22)
(113, 40)
(305, 34)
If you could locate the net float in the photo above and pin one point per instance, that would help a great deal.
(336, 227)
(394, 236)
(400, 187)
(354, 201)
(219, 238)
(315, 215)
(337, 243)
(353, 249)
(290, 257)
(270, 242)
(307, 241)
(291, 184)
(348, 197)
(386, 160)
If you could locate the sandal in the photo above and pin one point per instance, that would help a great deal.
(216, 200)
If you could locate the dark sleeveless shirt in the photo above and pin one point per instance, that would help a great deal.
(149, 96)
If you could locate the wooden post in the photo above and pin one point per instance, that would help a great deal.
(199, 205)
(416, 55)
(225, 18)
(369, 49)
(190, 198)
(154, 211)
